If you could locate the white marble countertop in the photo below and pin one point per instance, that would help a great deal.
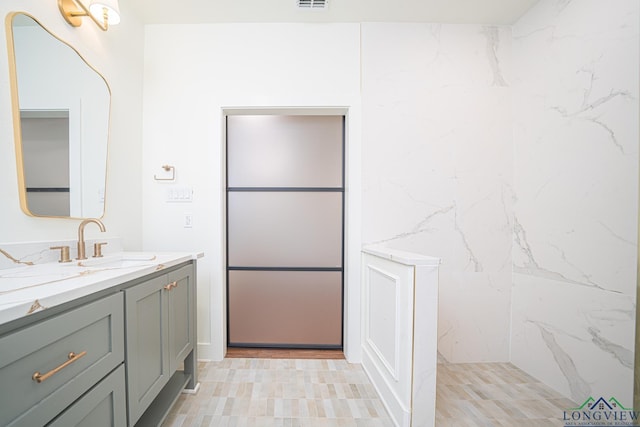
(31, 288)
(402, 257)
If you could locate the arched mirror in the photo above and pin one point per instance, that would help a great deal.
(61, 122)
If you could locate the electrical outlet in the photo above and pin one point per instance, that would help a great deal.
(188, 220)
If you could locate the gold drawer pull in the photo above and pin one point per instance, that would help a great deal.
(171, 286)
(38, 377)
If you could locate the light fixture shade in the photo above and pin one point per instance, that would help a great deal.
(97, 7)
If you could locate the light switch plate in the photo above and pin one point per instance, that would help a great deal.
(179, 194)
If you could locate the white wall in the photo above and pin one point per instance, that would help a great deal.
(576, 185)
(437, 169)
(117, 54)
(193, 72)
(446, 157)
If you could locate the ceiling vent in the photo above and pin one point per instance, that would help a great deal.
(312, 4)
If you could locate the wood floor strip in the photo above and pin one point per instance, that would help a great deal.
(282, 353)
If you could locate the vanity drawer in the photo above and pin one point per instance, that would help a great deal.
(103, 406)
(94, 332)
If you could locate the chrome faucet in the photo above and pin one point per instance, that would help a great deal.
(81, 245)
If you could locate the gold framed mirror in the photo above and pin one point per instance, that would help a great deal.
(61, 109)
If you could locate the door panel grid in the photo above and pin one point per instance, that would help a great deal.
(285, 231)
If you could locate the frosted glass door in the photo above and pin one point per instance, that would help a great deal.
(285, 222)
(292, 307)
(284, 151)
(292, 229)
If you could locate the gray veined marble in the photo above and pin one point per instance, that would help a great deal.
(533, 268)
(576, 176)
(493, 42)
(617, 236)
(577, 385)
(586, 278)
(435, 30)
(590, 110)
(420, 227)
(473, 259)
(562, 5)
(623, 355)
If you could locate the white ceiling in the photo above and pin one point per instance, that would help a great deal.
(433, 11)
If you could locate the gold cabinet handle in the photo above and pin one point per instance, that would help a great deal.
(171, 286)
(38, 377)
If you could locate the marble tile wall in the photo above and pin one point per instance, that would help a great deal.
(438, 169)
(575, 91)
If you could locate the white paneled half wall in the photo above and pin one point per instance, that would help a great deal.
(400, 324)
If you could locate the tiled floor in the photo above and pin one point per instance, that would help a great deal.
(495, 394)
(280, 392)
(334, 393)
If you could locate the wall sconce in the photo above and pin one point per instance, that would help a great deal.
(103, 12)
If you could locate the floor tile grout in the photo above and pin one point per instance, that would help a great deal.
(334, 393)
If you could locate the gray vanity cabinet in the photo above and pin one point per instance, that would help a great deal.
(147, 339)
(46, 367)
(114, 358)
(182, 316)
(160, 324)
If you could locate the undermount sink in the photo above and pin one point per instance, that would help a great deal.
(50, 273)
(124, 260)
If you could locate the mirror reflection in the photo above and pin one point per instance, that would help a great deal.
(61, 115)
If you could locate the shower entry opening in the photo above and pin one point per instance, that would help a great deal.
(285, 230)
